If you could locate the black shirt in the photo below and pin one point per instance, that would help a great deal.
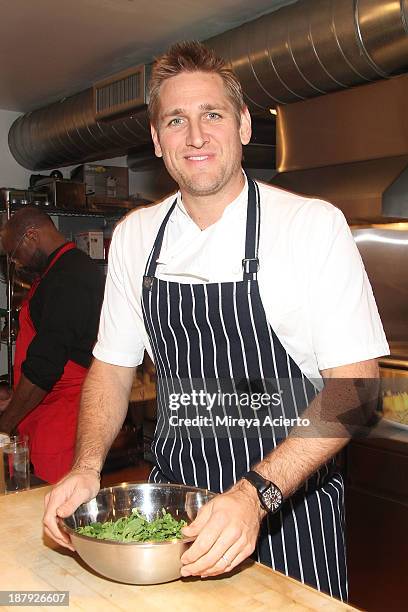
(65, 311)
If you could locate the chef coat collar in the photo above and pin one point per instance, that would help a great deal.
(194, 268)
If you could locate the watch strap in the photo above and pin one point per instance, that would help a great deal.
(269, 494)
(259, 482)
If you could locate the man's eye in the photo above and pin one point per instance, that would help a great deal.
(176, 121)
(213, 116)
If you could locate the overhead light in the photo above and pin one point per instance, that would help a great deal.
(273, 111)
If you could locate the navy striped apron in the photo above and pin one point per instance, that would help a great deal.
(213, 340)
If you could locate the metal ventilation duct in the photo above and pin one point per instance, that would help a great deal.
(300, 51)
(316, 46)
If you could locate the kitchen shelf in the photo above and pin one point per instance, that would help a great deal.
(65, 212)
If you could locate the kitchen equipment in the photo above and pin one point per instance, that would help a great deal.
(105, 181)
(19, 290)
(136, 562)
(384, 250)
(15, 197)
(22, 197)
(62, 194)
(111, 205)
(91, 242)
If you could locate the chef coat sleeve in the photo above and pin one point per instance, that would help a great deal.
(120, 341)
(67, 308)
(345, 323)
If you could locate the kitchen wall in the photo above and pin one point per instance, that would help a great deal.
(11, 173)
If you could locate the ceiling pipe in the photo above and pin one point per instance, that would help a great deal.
(300, 51)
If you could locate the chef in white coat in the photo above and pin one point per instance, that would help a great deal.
(237, 290)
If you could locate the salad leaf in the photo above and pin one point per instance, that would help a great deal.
(136, 528)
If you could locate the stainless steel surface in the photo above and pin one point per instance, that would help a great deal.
(358, 189)
(121, 93)
(396, 363)
(67, 133)
(134, 562)
(61, 193)
(316, 46)
(384, 250)
(350, 148)
(300, 51)
(364, 123)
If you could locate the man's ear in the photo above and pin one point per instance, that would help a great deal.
(33, 234)
(245, 129)
(156, 142)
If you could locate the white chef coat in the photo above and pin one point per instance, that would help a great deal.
(312, 281)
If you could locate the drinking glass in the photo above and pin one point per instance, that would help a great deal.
(15, 465)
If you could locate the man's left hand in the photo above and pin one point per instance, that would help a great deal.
(226, 531)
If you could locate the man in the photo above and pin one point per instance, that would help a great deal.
(58, 325)
(234, 288)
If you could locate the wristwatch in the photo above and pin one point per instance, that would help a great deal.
(269, 494)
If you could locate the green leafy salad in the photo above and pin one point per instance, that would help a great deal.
(136, 528)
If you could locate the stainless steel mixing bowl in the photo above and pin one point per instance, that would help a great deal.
(136, 562)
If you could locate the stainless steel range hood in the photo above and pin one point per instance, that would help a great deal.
(349, 147)
(368, 190)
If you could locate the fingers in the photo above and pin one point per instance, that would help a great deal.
(63, 500)
(199, 522)
(226, 531)
(207, 531)
(50, 523)
(62, 539)
(231, 558)
(220, 556)
(68, 507)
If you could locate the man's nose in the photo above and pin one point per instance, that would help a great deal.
(196, 136)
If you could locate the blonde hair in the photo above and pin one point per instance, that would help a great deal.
(192, 56)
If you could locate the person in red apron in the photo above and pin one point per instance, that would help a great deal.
(45, 401)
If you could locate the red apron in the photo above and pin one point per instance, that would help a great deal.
(51, 426)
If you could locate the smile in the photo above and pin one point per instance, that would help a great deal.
(197, 157)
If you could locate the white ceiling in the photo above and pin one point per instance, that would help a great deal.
(53, 48)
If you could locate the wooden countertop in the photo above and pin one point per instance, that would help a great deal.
(29, 562)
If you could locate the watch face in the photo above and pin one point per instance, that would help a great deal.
(272, 498)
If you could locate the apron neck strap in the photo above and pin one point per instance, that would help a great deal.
(250, 263)
(66, 247)
(151, 264)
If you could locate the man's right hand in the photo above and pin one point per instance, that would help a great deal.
(73, 490)
(5, 398)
